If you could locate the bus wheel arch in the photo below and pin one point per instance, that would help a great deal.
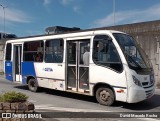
(32, 84)
(104, 94)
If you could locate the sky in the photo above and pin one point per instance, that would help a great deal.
(32, 17)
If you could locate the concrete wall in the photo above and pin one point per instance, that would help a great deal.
(150, 43)
(1, 57)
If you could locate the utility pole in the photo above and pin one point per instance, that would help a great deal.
(114, 10)
(4, 7)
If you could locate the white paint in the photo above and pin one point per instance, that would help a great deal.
(47, 107)
(106, 75)
(18, 78)
(57, 72)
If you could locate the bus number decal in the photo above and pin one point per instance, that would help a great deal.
(48, 69)
(8, 64)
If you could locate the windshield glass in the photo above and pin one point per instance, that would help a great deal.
(135, 56)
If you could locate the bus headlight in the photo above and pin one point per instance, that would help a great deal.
(136, 81)
(152, 80)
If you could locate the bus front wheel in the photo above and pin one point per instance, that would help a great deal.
(105, 96)
(32, 85)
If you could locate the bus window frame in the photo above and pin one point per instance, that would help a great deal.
(54, 39)
(110, 39)
(7, 51)
(33, 51)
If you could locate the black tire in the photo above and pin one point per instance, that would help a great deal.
(105, 96)
(32, 85)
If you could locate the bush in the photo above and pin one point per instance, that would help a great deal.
(13, 96)
(1, 99)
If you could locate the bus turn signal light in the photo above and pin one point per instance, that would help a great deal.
(120, 91)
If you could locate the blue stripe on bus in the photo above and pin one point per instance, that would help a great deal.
(8, 70)
(27, 70)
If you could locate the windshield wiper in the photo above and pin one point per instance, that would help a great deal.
(130, 57)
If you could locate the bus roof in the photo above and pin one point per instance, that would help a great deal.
(83, 32)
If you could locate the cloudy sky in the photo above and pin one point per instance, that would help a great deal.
(31, 17)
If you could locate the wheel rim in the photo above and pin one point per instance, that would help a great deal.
(104, 95)
(32, 85)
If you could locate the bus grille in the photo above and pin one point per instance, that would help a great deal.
(149, 93)
(147, 84)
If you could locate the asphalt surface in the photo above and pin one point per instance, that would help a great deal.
(53, 101)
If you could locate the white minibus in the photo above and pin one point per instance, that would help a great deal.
(107, 64)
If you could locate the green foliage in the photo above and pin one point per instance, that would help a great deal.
(13, 96)
(1, 98)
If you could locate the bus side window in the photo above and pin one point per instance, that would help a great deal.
(54, 51)
(105, 53)
(8, 51)
(33, 51)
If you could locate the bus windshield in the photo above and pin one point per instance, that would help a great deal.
(135, 56)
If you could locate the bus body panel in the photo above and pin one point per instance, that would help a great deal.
(8, 70)
(108, 76)
(50, 75)
(137, 93)
(50, 70)
(28, 69)
(46, 75)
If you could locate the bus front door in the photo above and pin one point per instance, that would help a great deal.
(17, 63)
(78, 65)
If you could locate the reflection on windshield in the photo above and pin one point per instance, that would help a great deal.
(135, 57)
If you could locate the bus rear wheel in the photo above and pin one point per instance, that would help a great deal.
(32, 85)
(105, 96)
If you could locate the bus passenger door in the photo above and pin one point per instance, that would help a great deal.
(17, 63)
(78, 65)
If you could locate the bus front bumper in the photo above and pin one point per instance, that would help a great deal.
(138, 94)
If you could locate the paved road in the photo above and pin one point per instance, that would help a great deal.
(51, 100)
